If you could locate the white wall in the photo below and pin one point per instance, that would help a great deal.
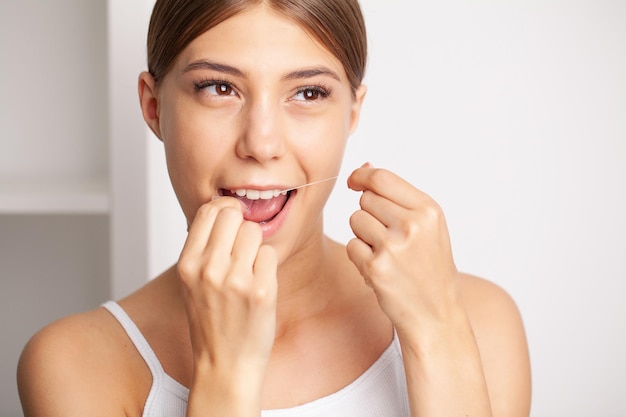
(512, 115)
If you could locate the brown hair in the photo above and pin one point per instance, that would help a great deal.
(336, 24)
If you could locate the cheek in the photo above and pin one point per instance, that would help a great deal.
(323, 138)
(195, 138)
(195, 148)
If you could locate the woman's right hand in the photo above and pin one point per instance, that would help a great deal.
(228, 280)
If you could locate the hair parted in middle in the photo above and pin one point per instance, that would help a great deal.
(338, 25)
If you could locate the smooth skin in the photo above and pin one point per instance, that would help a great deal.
(246, 310)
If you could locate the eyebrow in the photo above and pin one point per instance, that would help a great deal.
(310, 73)
(214, 66)
(304, 73)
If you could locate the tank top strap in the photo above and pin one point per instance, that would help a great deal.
(396, 342)
(135, 335)
(167, 397)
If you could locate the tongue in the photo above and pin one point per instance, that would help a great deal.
(260, 210)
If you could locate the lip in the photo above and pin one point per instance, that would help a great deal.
(272, 227)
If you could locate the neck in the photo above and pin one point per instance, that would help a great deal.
(307, 283)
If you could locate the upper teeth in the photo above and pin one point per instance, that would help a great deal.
(258, 194)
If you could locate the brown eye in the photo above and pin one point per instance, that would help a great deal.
(223, 90)
(215, 88)
(311, 94)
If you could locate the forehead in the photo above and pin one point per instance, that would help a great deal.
(260, 38)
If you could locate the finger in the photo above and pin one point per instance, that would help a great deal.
(367, 228)
(249, 239)
(266, 262)
(386, 184)
(383, 209)
(202, 224)
(224, 232)
(265, 269)
(360, 253)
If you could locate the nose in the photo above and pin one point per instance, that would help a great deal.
(262, 135)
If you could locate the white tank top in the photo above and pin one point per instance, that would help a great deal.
(379, 392)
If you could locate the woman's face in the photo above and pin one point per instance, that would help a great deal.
(255, 106)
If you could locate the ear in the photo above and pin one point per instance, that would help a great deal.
(356, 107)
(148, 100)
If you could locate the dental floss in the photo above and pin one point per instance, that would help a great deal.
(310, 183)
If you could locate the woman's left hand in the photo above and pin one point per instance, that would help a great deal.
(402, 249)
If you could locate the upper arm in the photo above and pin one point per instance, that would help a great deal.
(499, 332)
(60, 373)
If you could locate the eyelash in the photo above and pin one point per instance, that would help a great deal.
(201, 85)
(323, 91)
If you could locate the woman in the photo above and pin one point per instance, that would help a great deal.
(262, 311)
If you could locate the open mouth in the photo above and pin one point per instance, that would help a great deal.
(260, 206)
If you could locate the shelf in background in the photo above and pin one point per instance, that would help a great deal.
(53, 196)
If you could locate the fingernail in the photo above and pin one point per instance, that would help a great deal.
(367, 165)
(215, 197)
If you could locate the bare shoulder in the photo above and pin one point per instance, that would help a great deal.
(78, 366)
(492, 311)
(484, 298)
(501, 338)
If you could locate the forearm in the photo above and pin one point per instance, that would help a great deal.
(444, 371)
